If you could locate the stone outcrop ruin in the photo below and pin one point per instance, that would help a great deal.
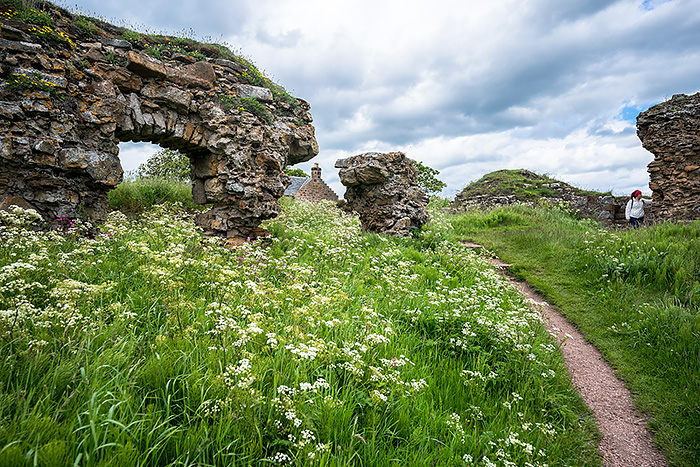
(382, 189)
(671, 131)
(606, 209)
(66, 103)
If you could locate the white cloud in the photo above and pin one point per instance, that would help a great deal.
(132, 155)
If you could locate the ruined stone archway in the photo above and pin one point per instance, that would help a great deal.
(61, 129)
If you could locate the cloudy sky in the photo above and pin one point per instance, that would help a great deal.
(464, 86)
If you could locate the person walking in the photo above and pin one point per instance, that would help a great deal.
(634, 212)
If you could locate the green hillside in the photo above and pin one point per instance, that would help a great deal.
(519, 185)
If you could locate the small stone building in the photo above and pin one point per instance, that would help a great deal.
(312, 189)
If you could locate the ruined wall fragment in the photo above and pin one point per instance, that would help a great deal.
(64, 108)
(382, 189)
(671, 131)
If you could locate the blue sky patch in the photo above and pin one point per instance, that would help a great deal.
(653, 4)
(630, 113)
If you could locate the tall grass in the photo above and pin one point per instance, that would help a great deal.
(150, 345)
(143, 193)
(634, 293)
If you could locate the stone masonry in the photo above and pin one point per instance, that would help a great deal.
(382, 189)
(488, 192)
(65, 106)
(671, 131)
(316, 189)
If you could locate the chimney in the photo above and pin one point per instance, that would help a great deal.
(316, 172)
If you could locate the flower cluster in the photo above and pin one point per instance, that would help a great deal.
(53, 35)
(32, 82)
(29, 15)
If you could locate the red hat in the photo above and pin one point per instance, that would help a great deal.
(637, 192)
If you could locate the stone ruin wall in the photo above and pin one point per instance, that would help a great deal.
(606, 209)
(59, 138)
(382, 188)
(671, 131)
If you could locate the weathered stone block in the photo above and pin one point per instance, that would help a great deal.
(382, 189)
(254, 92)
(348, 176)
(10, 111)
(198, 74)
(15, 46)
(145, 66)
(231, 66)
(8, 32)
(122, 44)
(104, 168)
(74, 158)
(367, 175)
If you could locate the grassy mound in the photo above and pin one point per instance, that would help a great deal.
(519, 185)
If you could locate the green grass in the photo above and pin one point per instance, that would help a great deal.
(633, 293)
(522, 184)
(150, 345)
(136, 196)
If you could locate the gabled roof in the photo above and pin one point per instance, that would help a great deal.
(297, 182)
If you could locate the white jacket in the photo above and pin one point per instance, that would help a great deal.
(634, 209)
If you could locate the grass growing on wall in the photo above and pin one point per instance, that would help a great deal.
(61, 26)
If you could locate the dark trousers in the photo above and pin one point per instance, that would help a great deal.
(636, 222)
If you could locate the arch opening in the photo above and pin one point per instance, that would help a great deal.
(59, 151)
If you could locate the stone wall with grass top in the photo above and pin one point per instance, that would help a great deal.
(72, 88)
(520, 186)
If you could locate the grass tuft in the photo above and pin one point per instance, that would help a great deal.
(136, 196)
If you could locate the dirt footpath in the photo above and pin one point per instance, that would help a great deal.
(626, 440)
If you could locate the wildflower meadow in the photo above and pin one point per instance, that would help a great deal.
(146, 344)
